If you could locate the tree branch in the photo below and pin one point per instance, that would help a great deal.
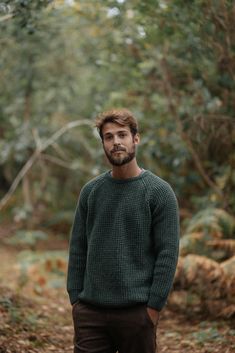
(173, 110)
(56, 160)
(6, 17)
(40, 147)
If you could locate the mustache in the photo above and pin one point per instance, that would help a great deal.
(116, 149)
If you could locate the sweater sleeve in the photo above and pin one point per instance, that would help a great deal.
(165, 222)
(77, 251)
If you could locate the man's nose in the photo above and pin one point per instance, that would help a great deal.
(116, 140)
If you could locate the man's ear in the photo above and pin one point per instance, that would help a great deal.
(136, 139)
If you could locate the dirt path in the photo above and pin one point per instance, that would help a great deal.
(41, 322)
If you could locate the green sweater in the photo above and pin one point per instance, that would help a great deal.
(124, 242)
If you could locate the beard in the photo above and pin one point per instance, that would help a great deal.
(124, 158)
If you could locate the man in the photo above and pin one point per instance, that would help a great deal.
(123, 248)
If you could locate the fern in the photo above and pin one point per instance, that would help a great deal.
(213, 221)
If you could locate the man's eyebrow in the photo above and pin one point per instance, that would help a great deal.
(111, 133)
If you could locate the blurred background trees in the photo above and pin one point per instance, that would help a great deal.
(170, 62)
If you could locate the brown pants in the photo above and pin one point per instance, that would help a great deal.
(101, 330)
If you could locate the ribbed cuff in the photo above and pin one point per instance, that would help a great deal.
(156, 303)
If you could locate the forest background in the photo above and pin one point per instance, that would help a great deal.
(172, 63)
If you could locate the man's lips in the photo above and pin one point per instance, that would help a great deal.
(118, 150)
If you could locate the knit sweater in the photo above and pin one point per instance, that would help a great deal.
(124, 242)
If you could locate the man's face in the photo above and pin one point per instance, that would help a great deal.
(119, 143)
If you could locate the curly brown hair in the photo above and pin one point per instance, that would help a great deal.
(118, 116)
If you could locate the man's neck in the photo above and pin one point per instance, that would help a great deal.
(126, 171)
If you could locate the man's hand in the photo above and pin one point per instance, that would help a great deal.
(74, 304)
(154, 315)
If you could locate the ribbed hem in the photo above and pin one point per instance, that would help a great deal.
(73, 296)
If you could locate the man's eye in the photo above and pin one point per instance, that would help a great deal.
(109, 137)
(122, 135)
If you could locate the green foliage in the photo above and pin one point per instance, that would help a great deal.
(195, 243)
(60, 219)
(208, 335)
(24, 237)
(213, 222)
(17, 312)
(171, 63)
(42, 269)
(22, 213)
(210, 232)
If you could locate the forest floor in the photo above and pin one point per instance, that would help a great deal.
(38, 319)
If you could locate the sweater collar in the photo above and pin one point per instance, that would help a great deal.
(127, 180)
